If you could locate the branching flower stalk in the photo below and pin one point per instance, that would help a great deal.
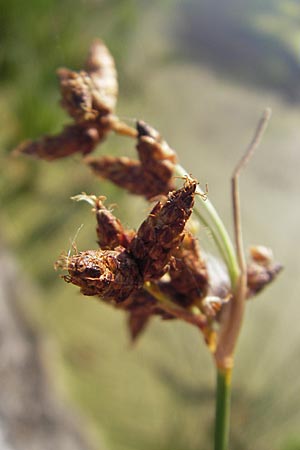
(159, 269)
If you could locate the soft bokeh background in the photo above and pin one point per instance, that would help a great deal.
(201, 72)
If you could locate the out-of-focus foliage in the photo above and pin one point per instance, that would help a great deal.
(256, 42)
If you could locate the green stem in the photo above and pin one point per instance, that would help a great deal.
(218, 231)
(222, 417)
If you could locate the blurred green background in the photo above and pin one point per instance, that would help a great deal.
(201, 72)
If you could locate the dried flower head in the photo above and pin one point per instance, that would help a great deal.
(110, 231)
(110, 274)
(73, 139)
(120, 275)
(151, 176)
(261, 270)
(89, 97)
(101, 68)
(91, 94)
(159, 269)
(160, 234)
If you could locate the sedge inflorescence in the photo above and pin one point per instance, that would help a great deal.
(158, 269)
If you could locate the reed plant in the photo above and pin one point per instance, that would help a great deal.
(158, 269)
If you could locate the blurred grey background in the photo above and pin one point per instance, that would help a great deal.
(201, 72)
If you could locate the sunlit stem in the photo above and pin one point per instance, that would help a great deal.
(217, 229)
(232, 315)
(222, 415)
(192, 315)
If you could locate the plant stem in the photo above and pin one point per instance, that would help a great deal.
(222, 417)
(218, 231)
(233, 313)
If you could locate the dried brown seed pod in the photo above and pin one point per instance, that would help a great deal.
(188, 273)
(110, 231)
(261, 270)
(79, 96)
(89, 97)
(127, 174)
(149, 177)
(161, 233)
(91, 94)
(123, 172)
(100, 66)
(73, 139)
(157, 158)
(110, 274)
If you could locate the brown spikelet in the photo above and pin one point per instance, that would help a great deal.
(149, 177)
(188, 273)
(100, 66)
(110, 231)
(123, 172)
(157, 159)
(73, 139)
(161, 233)
(78, 99)
(110, 274)
(91, 94)
(261, 270)
(156, 149)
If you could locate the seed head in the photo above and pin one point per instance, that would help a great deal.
(110, 231)
(88, 95)
(157, 159)
(110, 274)
(101, 68)
(150, 176)
(73, 139)
(123, 172)
(160, 234)
(261, 270)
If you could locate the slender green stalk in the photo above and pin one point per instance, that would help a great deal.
(218, 231)
(232, 317)
(222, 417)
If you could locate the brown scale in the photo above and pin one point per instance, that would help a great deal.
(188, 273)
(161, 233)
(110, 274)
(150, 176)
(140, 306)
(110, 231)
(73, 139)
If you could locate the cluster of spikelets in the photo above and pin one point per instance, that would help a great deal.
(158, 269)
